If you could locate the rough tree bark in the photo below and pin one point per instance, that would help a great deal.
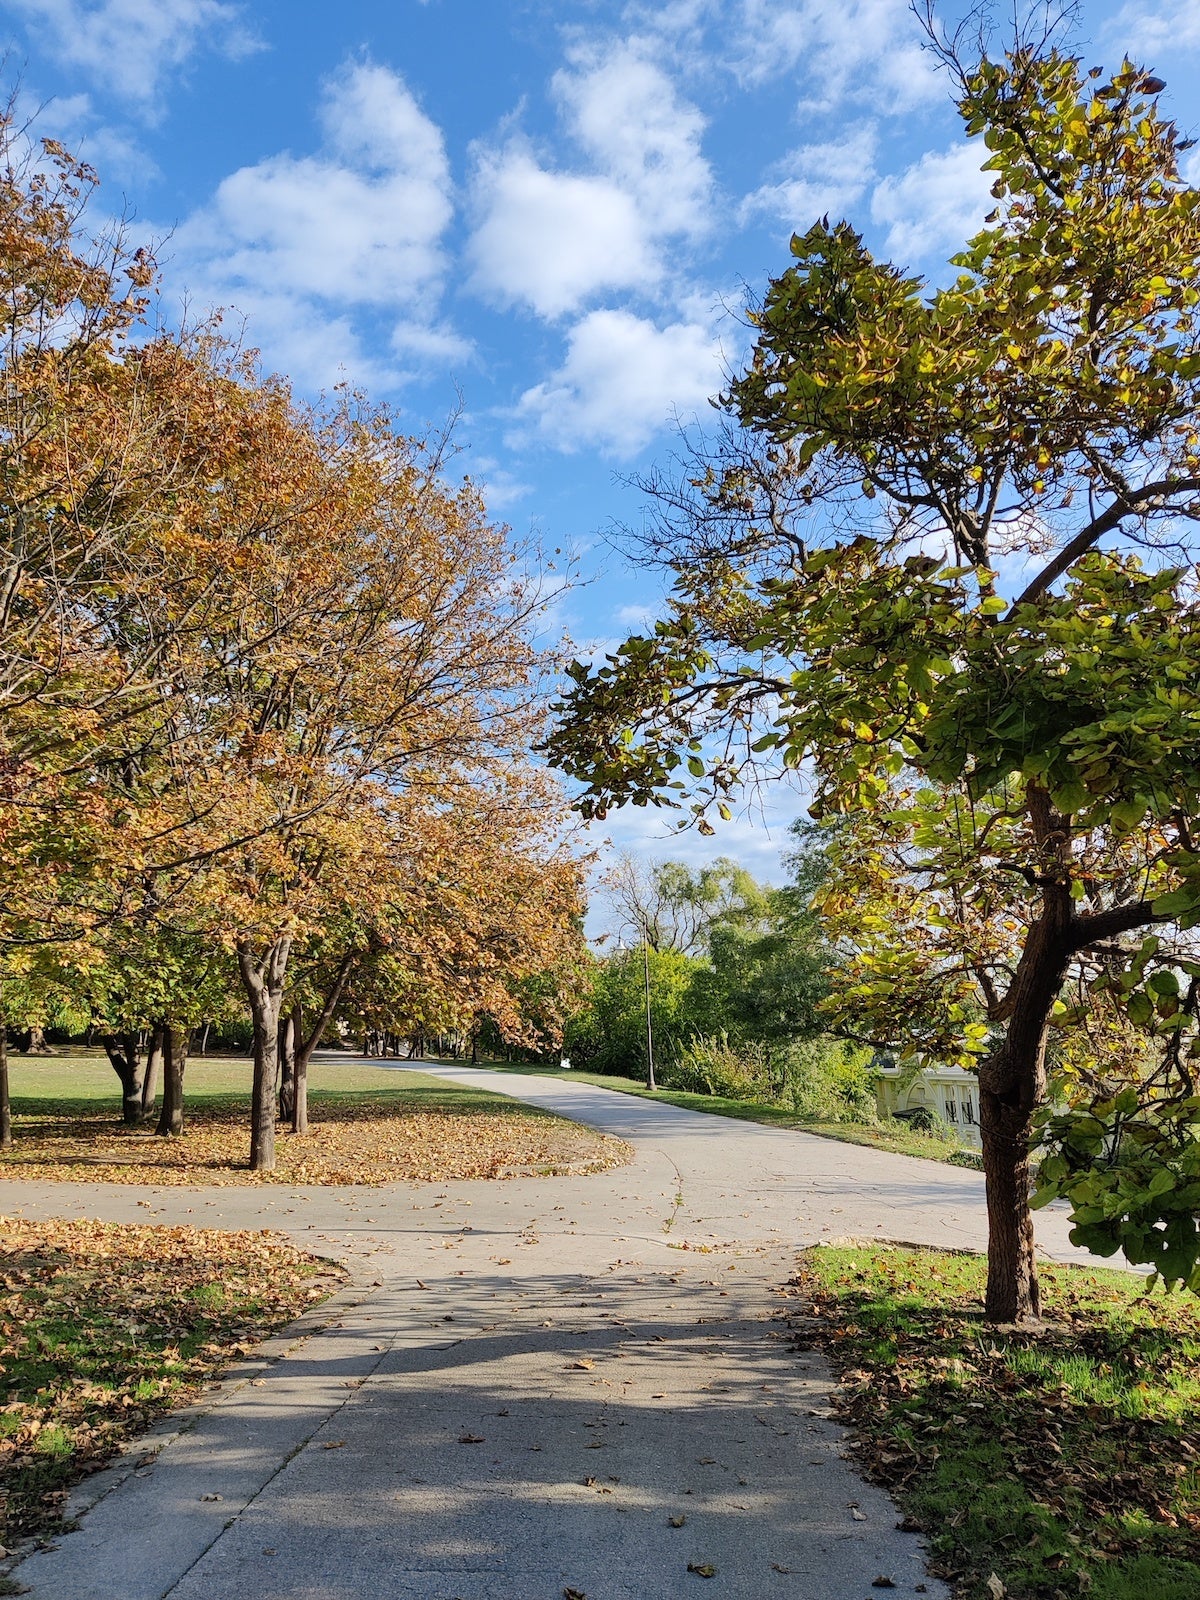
(124, 1053)
(1012, 1080)
(264, 980)
(286, 1067)
(5, 1108)
(154, 1057)
(175, 1039)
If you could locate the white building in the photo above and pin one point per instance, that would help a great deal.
(949, 1092)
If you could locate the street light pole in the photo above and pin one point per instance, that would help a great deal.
(650, 1083)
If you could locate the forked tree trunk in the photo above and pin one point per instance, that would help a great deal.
(5, 1107)
(125, 1055)
(264, 981)
(175, 1053)
(154, 1061)
(37, 1045)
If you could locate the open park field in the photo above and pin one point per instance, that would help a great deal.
(369, 1124)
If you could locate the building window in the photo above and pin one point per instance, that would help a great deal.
(951, 1110)
(968, 1110)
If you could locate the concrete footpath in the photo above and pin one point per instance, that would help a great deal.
(536, 1389)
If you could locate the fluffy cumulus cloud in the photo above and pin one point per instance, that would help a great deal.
(551, 237)
(299, 244)
(856, 50)
(815, 179)
(549, 240)
(130, 47)
(627, 115)
(1157, 26)
(935, 205)
(622, 379)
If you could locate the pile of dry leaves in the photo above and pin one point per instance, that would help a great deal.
(350, 1142)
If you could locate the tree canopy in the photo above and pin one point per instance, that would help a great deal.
(944, 553)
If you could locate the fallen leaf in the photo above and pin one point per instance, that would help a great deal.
(334, 1444)
(470, 1438)
(859, 1516)
(995, 1588)
(585, 1364)
(676, 1522)
(702, 1570)
(212, 1497)
(883, 1582)
(574, 1594)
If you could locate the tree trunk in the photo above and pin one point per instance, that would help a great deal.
(306, 1046)
(264, 980)
(304, 1049)
(286, 1068)
(175, 1051)
(1012, 1083)
(1013, 1294)
(37, 1045)
(124, 1052)
(5, 1108)
(154, 1058)
(204, 1039)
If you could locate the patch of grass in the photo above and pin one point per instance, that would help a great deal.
(368, 1125)
(1064, 1458)
(892, 1135)
(106, 1326)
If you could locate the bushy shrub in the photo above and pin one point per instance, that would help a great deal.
(714, 1066)
(823, 1079)
(926, 1119)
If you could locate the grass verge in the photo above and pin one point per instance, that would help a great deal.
(106, 1326)
(1043, 1463)
(368, 1125)
(895, 1136)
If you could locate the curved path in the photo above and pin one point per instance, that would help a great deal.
(538, 1388)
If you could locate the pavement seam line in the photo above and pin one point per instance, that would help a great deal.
(283, 1465)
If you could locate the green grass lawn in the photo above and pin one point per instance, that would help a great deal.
(890, 1135)
(1064, 1459)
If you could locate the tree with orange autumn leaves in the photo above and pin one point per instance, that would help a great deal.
(267, 678)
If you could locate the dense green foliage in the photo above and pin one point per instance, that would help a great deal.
(737, 974)
(945, 552)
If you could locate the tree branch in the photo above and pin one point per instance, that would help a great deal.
(1125, 505)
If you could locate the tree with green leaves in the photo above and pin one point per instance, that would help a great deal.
(945, 551)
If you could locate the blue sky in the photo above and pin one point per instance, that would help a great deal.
(547, 211)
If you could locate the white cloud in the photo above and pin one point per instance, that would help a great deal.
(626, 114)
(129, 47)
(853, 50)
(935, 205)
(815, 179)
(301, 244)
(622, 380)
(1144, 26)
(553, 238)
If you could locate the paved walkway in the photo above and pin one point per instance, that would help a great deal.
(539, 1388)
